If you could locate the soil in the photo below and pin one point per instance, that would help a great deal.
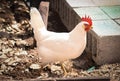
(18, 55)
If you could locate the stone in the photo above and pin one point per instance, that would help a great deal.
(35, 66)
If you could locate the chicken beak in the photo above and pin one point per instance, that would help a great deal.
(91, 27)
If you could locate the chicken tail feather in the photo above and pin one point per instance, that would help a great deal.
(36, 19)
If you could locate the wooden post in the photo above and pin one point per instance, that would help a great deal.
(44, 9)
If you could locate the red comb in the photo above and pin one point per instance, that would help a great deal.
(87, 19)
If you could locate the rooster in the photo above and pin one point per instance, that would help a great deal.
(53, 46)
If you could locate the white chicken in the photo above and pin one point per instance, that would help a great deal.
(53, 46)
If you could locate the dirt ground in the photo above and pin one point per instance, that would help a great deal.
(18, 55)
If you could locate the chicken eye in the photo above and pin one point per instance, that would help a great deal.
(86, 25)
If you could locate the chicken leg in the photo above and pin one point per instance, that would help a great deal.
(64, 69)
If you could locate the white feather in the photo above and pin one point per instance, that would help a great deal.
(54, 46)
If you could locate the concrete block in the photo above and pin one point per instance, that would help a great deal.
(106, 28)
(71, 21)
(94, 12)
(117, 21)
(89, 42)
(105, 42)
(80, 3)
(67, 14)
(69, 27)
(57, 5)
(52, 3)
(112, 11)
(63, 13)
(107, 50)
(106, 2)
(61, 9)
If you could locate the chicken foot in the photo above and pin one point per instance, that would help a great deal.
(64, 69)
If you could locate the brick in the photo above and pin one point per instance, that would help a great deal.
(94, 12)
(112, 11)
